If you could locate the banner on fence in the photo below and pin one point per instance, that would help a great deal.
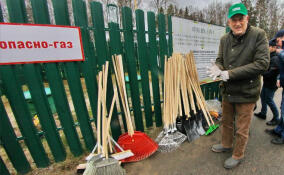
(31, 43)
(201, 38)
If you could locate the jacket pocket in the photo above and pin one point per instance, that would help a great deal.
(251, 88)
(232, 88)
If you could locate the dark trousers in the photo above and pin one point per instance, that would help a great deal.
(266, 96)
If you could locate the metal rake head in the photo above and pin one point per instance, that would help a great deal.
(167, 144)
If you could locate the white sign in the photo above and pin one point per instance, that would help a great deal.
(30, 43)
(201, 38)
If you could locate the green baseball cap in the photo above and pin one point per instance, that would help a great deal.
(237, 9)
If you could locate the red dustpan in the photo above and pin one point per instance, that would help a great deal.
(141, 145)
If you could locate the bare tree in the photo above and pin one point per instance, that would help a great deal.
(262, 14)
(212, 13)
(157, 4)
(281, 20)
(252, 12)
(274, 18)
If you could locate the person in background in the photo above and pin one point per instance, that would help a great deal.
(269, 86)
(279, 130)
(243, 56)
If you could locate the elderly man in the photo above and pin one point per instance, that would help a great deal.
(279, 130)
(243, 56)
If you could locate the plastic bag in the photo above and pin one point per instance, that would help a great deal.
(214, 107)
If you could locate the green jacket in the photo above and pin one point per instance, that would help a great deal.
(245, 58)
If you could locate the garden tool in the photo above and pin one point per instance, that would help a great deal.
(138, 142)
(104, 165)
(198, 93)
(171, 138)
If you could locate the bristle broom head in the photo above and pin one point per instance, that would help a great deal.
(104, 167)
(122, 155)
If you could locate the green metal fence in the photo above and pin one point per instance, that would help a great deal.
(97, 52)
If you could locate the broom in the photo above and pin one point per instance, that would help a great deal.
(138, 142)
(104, 165)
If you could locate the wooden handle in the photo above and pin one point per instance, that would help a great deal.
(199, 89)
(99, 113)
(196, 87)
(105, 76)
(118, 67)
(189, 89)
(109, 119)
(184, 89)
(166, 94)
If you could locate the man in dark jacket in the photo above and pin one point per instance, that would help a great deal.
(279, 130)
(243, 56)
(269, 86)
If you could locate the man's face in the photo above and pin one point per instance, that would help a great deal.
(272, 48)
(238, 24)
(279, 41)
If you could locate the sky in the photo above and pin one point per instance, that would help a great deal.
(200, 4)
(203, 3)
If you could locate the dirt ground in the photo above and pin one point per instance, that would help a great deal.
(262, 157)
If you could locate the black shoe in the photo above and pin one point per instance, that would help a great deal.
(260, 115)
(272, 122)
(278, 141)
(272, 132)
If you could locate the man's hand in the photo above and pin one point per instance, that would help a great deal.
(213, 71)
(279, 50)
(224, 75)
(278, 83)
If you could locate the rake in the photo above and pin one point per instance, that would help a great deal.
(138, 142)
(171, 138)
